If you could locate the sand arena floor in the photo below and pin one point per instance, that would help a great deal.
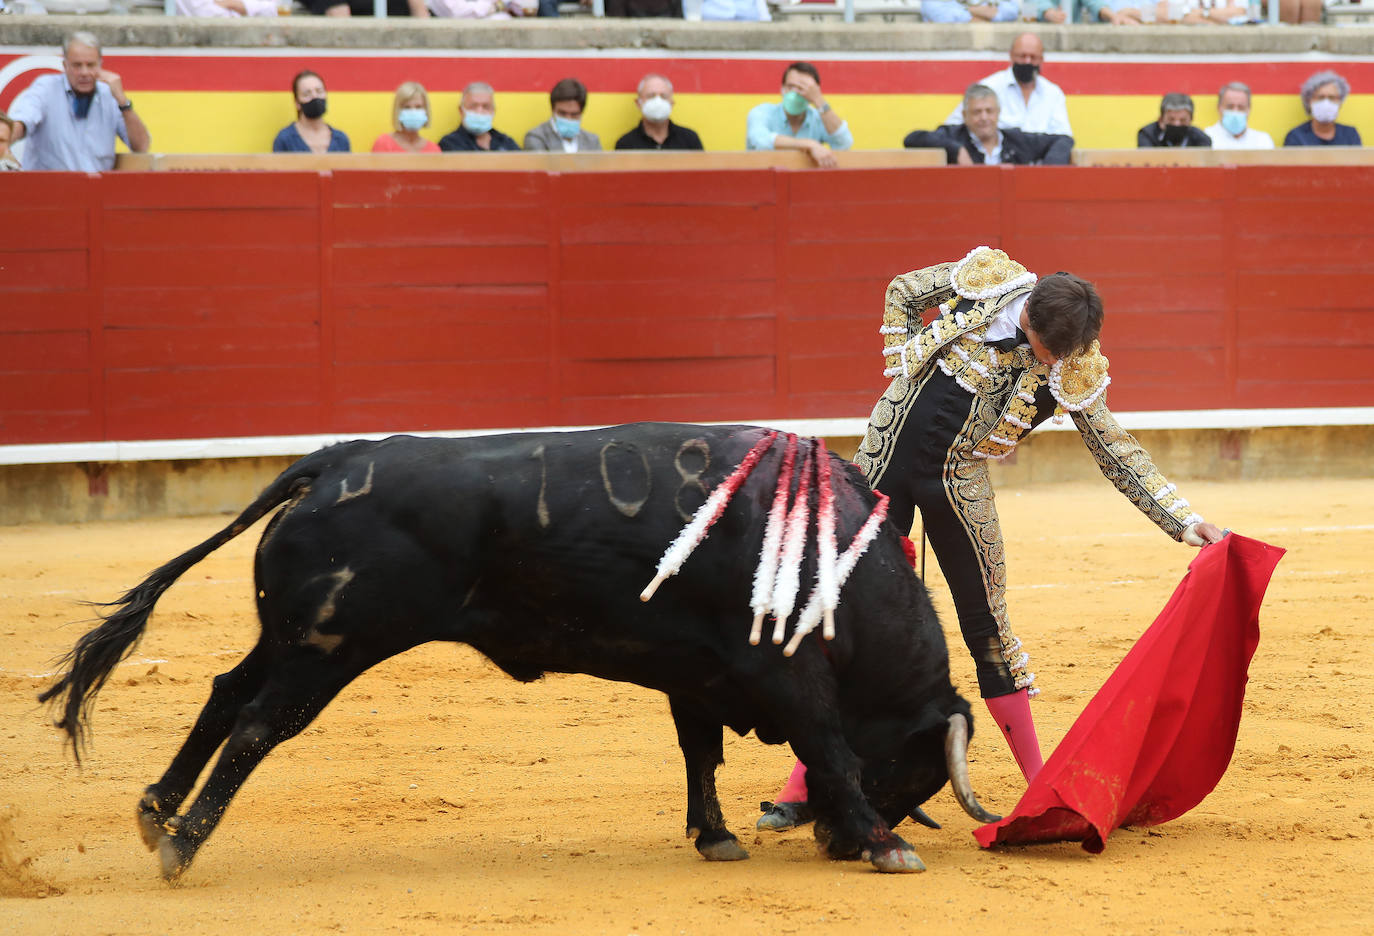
(438, 796)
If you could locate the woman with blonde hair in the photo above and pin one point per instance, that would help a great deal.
(409, 113)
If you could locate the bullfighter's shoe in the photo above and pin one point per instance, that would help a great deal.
(778, 817)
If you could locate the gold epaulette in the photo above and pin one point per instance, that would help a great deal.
(1079, 379)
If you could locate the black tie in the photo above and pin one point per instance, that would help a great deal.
(1009, 344)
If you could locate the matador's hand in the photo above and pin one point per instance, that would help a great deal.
(1201, 534)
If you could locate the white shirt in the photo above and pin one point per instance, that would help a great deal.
(1046, 112)
(209, 8)
(1250, 139)
(991, 157)
(1007, 320)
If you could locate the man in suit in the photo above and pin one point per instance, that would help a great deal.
(563, 132)
(979, 141)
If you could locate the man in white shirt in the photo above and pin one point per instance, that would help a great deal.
(1029, 101)
(1232, 131)
(71, 120)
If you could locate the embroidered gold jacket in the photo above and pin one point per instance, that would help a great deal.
(1014, 390)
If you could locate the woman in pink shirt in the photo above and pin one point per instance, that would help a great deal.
(409, 112)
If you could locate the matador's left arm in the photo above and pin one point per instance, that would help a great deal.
(1128, 466)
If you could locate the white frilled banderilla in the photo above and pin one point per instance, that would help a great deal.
(777, 580)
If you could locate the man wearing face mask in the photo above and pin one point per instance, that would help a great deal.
(563, 132)
(1322, 97)
(1233, 131)
(1174, 127)
(477, 109)
(655, 131)
(1029, 101)
(803, 120)
(71, 120)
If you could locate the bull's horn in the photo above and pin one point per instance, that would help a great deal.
(956, 760)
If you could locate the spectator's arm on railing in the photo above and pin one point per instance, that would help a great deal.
(941, 138)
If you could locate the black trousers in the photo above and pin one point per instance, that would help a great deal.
(924, 471)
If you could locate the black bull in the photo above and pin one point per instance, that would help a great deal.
(533, 549)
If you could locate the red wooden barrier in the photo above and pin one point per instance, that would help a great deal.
(163, 305)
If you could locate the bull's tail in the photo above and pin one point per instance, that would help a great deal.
(87, 666)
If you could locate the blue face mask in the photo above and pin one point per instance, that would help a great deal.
(566, 128)
(793, 103)
(1233, 121)
(476, 124)
(412, 118)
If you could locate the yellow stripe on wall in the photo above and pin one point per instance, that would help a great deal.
(247, 122)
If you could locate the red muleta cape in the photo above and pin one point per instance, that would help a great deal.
(1159, 734)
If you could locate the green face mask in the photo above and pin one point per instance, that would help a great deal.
(793, 103)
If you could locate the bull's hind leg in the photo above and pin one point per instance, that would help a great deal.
(229, 693)
(700, 738)
(298, 686)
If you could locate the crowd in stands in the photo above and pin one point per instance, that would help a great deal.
(1014, 116)
(1111, 12)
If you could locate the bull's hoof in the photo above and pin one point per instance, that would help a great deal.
(834, 848)
(726, 849)
(897, 861)
(778, 817)
(152, 821)
(174, 853)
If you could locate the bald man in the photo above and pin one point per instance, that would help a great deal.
(1029, 101)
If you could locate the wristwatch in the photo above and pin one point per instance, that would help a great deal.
(825, 107)
(127, 105)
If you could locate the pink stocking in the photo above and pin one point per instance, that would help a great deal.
(794, 790)
(1013, 716)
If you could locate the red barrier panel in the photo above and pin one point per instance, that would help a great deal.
(165, 305)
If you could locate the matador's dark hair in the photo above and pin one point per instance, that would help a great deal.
(1065, 312)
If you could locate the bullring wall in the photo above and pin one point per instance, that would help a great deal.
(186, 305)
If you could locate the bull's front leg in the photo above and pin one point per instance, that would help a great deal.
(700, 738)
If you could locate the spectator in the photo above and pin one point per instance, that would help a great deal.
(486, 9)
(979, 141)
(71, 120)
(1049, 11)
(8, 161)
(309, 133)
(1175, 125)
(1205, 12)
(655, 131)
(747, 11)
(642, 8)
(414, 8)
(804, 114)
(1028, 100)
(476, 109)
(409, 114)
(1322, 97)
(960, 11)
(227, 8)
(563, 130)
(1116, 12)
(1232, 132)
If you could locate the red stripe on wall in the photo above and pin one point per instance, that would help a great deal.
(693, 75)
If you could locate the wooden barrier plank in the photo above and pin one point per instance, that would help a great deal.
(56, 270)
(647, 339)
(751, 374)
(244, 306)
(456, 343)
(41, 227)
(176, 229)
(596, 262)
(249, 387)
(638, 223)
(437, 305)
(411, 383)
(42, 309)
(690, 405)
(210, 346)
(404, 266)
(666, 301)
(225, 191)
(679, 188)
(37, 351)
(173, 419)
(454, 188)
(209, 267)
(395, 226)
(455, 412)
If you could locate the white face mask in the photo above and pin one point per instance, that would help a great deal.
(1325, 111)
(657, 107)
